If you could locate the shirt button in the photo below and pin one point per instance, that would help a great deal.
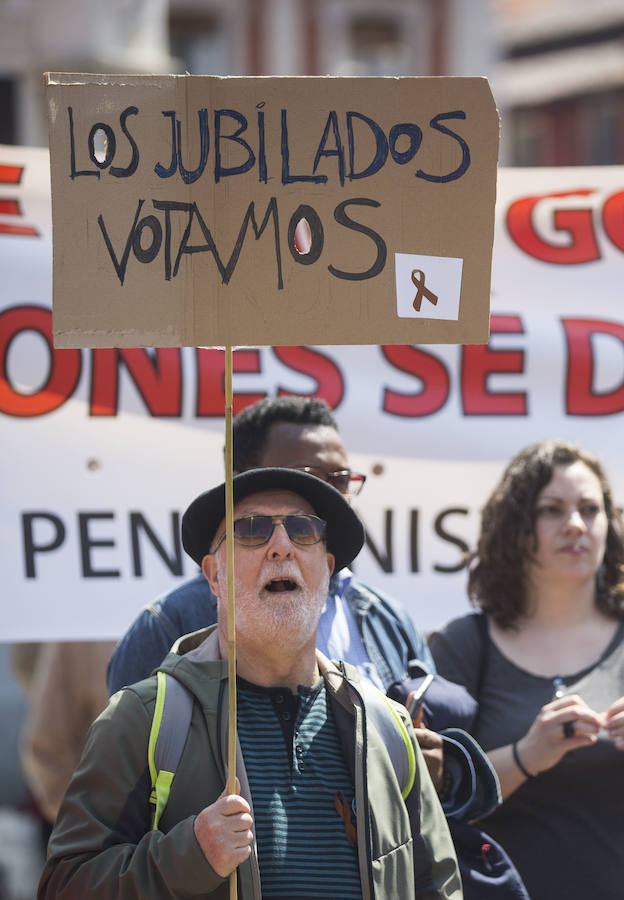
(279, 698)
(286, 716)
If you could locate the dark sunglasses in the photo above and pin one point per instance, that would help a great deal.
(253, 531)
(344, 480)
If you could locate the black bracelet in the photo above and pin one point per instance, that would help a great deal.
(514, 751)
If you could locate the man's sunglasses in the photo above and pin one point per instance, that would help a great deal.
(253, 531)
(344, 480)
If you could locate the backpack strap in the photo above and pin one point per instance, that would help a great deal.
(393, 732)
(170, 725)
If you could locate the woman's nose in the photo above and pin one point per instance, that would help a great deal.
(574, 520)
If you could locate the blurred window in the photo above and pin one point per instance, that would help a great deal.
(576, 131)
(607, 125)
(377, 46)
(7, 111)
(567, 143)
(200, 42)
(527, 137)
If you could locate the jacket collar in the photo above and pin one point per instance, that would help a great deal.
(203, 647)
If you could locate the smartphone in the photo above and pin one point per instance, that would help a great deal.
(416, 697)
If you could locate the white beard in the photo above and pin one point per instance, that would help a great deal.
(275, 617)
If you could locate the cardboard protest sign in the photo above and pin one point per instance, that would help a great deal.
(193, 211)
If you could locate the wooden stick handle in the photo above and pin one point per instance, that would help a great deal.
(231, 606)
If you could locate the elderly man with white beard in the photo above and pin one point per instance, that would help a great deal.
(319, 811)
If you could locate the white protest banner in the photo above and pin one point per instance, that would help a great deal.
(103, 449)
(178, 202)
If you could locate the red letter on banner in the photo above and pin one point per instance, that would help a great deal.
(613, 219)
(328, 377)
(478, 362)
(64, 365)
(577, 222)
(211, 381)
(581, 399)
(431, 372)
(158, 379)
(9, 206)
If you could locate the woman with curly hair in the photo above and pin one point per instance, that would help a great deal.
(544, 658)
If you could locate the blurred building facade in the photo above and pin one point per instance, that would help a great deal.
(556, 66)
(354, 37)
(63, 36)
(228, 37)
(560, 81)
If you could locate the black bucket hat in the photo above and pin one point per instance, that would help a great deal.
(345, 532)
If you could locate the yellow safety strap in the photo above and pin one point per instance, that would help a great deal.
(409, 749)
(161, 781)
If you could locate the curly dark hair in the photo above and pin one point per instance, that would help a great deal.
(498, 568)
(250, 428)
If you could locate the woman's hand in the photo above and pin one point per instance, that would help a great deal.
(563, 724)
(546, 741)
(614, 723)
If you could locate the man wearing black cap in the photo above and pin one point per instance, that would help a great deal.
(319, 813)
(358, 623)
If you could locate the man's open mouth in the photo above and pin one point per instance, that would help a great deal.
(281, 585)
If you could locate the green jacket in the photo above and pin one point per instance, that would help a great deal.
(102, 846)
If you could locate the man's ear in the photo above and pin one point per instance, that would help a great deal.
(210, 569)
(331, 563)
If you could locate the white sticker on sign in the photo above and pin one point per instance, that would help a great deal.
(427, 287)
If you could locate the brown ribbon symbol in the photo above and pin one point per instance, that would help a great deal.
(418, 280)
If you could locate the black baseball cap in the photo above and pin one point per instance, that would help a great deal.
(345, 532)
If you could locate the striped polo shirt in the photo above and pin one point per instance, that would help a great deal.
(297, 776)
